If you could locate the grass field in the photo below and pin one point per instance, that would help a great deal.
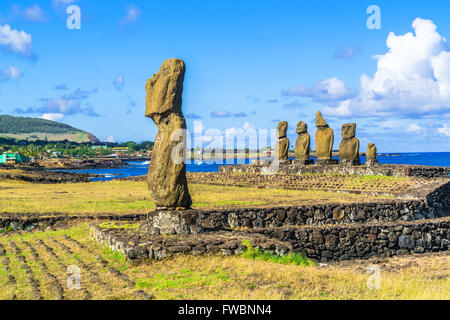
(35, 266)
(121, 197)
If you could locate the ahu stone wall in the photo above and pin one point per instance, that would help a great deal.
(392, 170)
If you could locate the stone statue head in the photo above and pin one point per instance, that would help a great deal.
(348, 130)
(301, 127)
(282, 129)
(164, 90)
(320, 121)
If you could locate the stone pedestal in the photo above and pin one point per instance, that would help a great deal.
(172, 222)
(347, 162)
(326, 162)
(303, 162)
(371, 162)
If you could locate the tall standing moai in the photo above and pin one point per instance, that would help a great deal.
(282, 145)
(302, 145)
(349, 146)
(324, 141)
(371, 155)
(166, 178)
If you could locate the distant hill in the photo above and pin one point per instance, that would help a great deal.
(40, 129)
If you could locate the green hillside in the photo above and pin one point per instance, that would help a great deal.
(40, 129)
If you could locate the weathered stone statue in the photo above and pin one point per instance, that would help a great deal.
(282, 145)
(166, 177)
(349, 147)
(302, 144)
(371, 155)
(324, 141)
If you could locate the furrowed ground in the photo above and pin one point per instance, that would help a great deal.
(34, 266)
(121, 197)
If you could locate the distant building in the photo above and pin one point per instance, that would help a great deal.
(99, 147)
(13, 158)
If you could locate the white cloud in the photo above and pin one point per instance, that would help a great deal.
(34, 13)
(332, 89)
(445, 130)
(10, 73)
(119, 82)
(15, 41)
(132, 14)
(110, 139)
(52, 116)
(412, 78)
(414, 128)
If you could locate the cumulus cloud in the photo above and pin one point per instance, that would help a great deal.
(332, 89)
(414, 128)
(53, 116)
(119, 82)
(445, 130)
(10, 73)
(412, 78)
(15, 41)
(34, 14)
(69, 104)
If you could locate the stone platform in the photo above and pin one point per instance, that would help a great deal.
(394, 170)
(322, 232)
(322, 243)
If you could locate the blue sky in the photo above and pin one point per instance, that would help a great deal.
(249, 65)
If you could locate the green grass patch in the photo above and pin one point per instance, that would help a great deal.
(113, 225)
(254, 253)
(114, 255)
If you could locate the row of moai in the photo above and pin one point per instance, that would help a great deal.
(348, 149)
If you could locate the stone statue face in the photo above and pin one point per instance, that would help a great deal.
(282, 129)
(348, 130)
(320, 121)
(301, 127)
(164, 90)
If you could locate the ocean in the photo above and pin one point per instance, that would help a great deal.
(139, 168)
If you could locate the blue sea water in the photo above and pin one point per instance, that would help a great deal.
(139, 168)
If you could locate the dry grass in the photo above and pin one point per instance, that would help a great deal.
(214, 277)
(122, 197)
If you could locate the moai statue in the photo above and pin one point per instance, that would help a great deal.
(324, 141)
(371, 155)
(349, 147)
(166, 178)
(302, 144)
(282, 145)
